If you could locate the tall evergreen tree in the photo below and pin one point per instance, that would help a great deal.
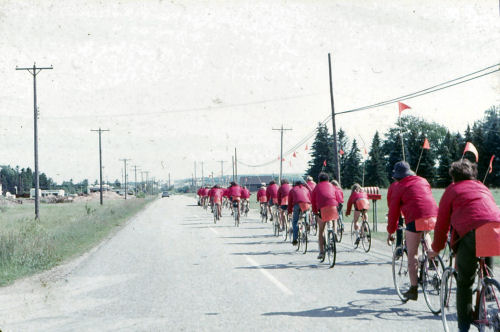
(321, 152)
(445, 159)
(491, 130)
(375, 165)
(354, 171)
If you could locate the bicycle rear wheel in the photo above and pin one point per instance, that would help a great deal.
(284, 234)
(366, 237)
(400, 274)
(489, 306)
(314, 226)
(303, 239)
(448, 300)
(332, 249)
(431, 283)
(340, 229)
(215, 215)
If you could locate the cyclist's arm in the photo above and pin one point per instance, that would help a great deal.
(443, 221)
(394, 212)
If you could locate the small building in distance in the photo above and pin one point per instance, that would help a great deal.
(253, 182)
(45, 193)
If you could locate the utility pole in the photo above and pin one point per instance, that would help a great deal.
(147, 180)
(195, 178)
(202, 180)
(100, 161)
(235, 166)
(35, 71)
(281, 150)
(221, 170)
(232, 159)
(336, 149)
(125, 177)
(168, 181)
(135, 179)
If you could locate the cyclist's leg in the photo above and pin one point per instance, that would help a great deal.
(412, 243)
(399, 232)
(466, 267)
(334, 226)
(321, 236)
(355, 220)
(295, 220)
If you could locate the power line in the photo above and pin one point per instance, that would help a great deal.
(412, 95)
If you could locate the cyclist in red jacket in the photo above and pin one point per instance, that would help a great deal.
(283, 191)
(272, 196)
(360, 201)
(411, 196)
(324, 200)
(299, 199)
(261, 197)
(466, 205)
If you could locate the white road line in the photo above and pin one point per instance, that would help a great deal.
(269, 276)
(213, 230)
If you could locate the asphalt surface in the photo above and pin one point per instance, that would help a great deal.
(172, 269)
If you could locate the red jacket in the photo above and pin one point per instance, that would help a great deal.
(411, 196)
(283, 192)
(261, 193)
(204, 192)
(235, 191)
(298, 194)
(245, 193)
(466, 205)
(198, 192)
(272, 192)
(217, 193)
(353, 198)
(324, 194)
(311, 185)
(225, 192)
(339, 195)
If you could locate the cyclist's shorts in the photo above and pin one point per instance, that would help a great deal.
(362, 204)
(235, 203)
(304, 206)
(329, 213)
(284, 207)
(271, 201)
(263, 199)
(216, 200)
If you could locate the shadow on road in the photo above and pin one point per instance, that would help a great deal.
(363, 310)
(361, 263)
(379, 291)
(289, 265)
(261, 253)
(246, 237)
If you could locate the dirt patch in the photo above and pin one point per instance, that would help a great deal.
(95, 196)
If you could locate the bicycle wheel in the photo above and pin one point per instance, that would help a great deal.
(284, 234)
(276, 229)
(215, 216)
(431, 282)
(447, 255)
(353, 236)
(340, 229)
(400, 274)
(332, 249)
(489, 306)
(366, 237)
(314, 226)
(303, 239)
(448, 300)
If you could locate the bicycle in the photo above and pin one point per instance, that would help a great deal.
(313, 227)
(216, 213)
(244, 208)
(286, 227)
(236, 213)
(365, 235)
(430, 273)
(275, 223)
(263, 212)
(330, 245)
(340, 224)
(485, 309)
(303, 224)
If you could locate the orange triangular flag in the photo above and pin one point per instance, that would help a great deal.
(306, 148)
(402, 107)
(295, 154)
(341, 152)
(490, 168)
(426, 144)
(471, 148)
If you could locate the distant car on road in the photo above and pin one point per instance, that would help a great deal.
(165, 194)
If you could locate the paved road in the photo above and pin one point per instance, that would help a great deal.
(172, 269)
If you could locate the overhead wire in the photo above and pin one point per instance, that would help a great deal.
(437, 87)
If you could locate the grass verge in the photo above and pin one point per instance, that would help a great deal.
(63, 231)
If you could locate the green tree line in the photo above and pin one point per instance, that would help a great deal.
(375, 167)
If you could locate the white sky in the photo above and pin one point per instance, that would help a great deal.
(148, 71)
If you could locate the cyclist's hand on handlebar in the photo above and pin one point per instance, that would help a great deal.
(390, 239)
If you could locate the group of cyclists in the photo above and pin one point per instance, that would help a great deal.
(466, 206)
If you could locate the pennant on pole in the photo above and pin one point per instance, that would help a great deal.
(307, 148)
(426, 144)
(366, 152)
(295, 154)
(283, 159)
(471, 148)
(402, 107)
(490, 168)
(324, 162)
(341, 152)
